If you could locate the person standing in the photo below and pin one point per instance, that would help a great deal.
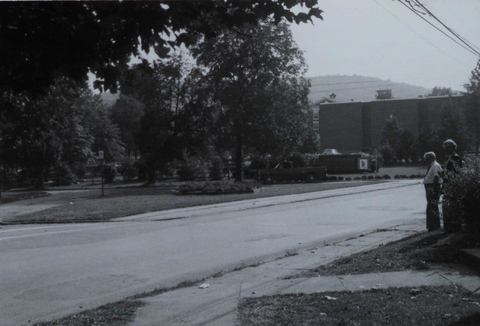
(453, 164)
(432, 183)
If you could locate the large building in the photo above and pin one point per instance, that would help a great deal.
(352, 126)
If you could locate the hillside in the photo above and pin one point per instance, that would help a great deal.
(359, 88)
(346, 88)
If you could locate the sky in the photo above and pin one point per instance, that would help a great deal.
(384, 39)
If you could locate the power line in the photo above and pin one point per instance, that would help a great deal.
(416, 13)
(432, 9)
(416, 32)
(462, 39)
(412, 3)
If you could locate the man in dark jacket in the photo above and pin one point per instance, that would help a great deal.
(453, 164)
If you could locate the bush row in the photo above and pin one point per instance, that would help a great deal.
(461, 199)
(219, 187)
(375, 177)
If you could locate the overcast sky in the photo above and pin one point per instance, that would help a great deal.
(382, 38)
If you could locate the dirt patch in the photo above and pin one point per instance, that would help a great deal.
(113, 314)
(445, 305)
(417, 252)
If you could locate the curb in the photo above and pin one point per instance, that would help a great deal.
(470, 257)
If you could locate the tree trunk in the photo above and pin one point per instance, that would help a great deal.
(239, 159)
(151, 175)
(40, 183)
(151, 170)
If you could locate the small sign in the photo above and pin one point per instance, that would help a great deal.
(100, 155)
(363, 164)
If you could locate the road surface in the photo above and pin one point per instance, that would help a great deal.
(54, 270)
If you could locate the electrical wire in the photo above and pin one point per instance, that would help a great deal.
(466, 46)
(462, 39)
(416, 32)
(432, 9)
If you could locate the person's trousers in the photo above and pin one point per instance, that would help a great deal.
(433, 214)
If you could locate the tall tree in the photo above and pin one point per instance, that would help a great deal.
(428, 141)
(174, 119)
(442, 91)
(126, 114)
(406, 141)
(106, 135)
(247, 70)
(453, 126)
(60, 128)
(390, 133)
(285, 127)
(473, 104)
(35, 133)
(41, 40)
(194, 115)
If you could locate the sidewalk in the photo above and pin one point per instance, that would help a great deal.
(214, 301)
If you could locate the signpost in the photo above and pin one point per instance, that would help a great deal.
(101, 157)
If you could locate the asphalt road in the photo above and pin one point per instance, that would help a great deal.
(54, 270)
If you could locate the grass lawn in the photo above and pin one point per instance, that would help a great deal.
(77, 206)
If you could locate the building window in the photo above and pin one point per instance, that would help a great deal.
(316, 125)
(315, 115)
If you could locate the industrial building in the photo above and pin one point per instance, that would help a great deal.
(352, 126)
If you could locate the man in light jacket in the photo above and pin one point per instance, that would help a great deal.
(432, 182)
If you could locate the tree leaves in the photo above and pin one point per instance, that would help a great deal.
(255, 77)
(41, 40)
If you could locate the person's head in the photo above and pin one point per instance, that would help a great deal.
(449, 146)
(429, 157)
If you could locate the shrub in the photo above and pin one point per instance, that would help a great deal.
(222, 187)
(461, 199)
(129, 172)
(388, 153)
(64, 175)
(80, 170)
(109, 172)
(193, 168)
(298, 160)
(141, 170)
(216, 172)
